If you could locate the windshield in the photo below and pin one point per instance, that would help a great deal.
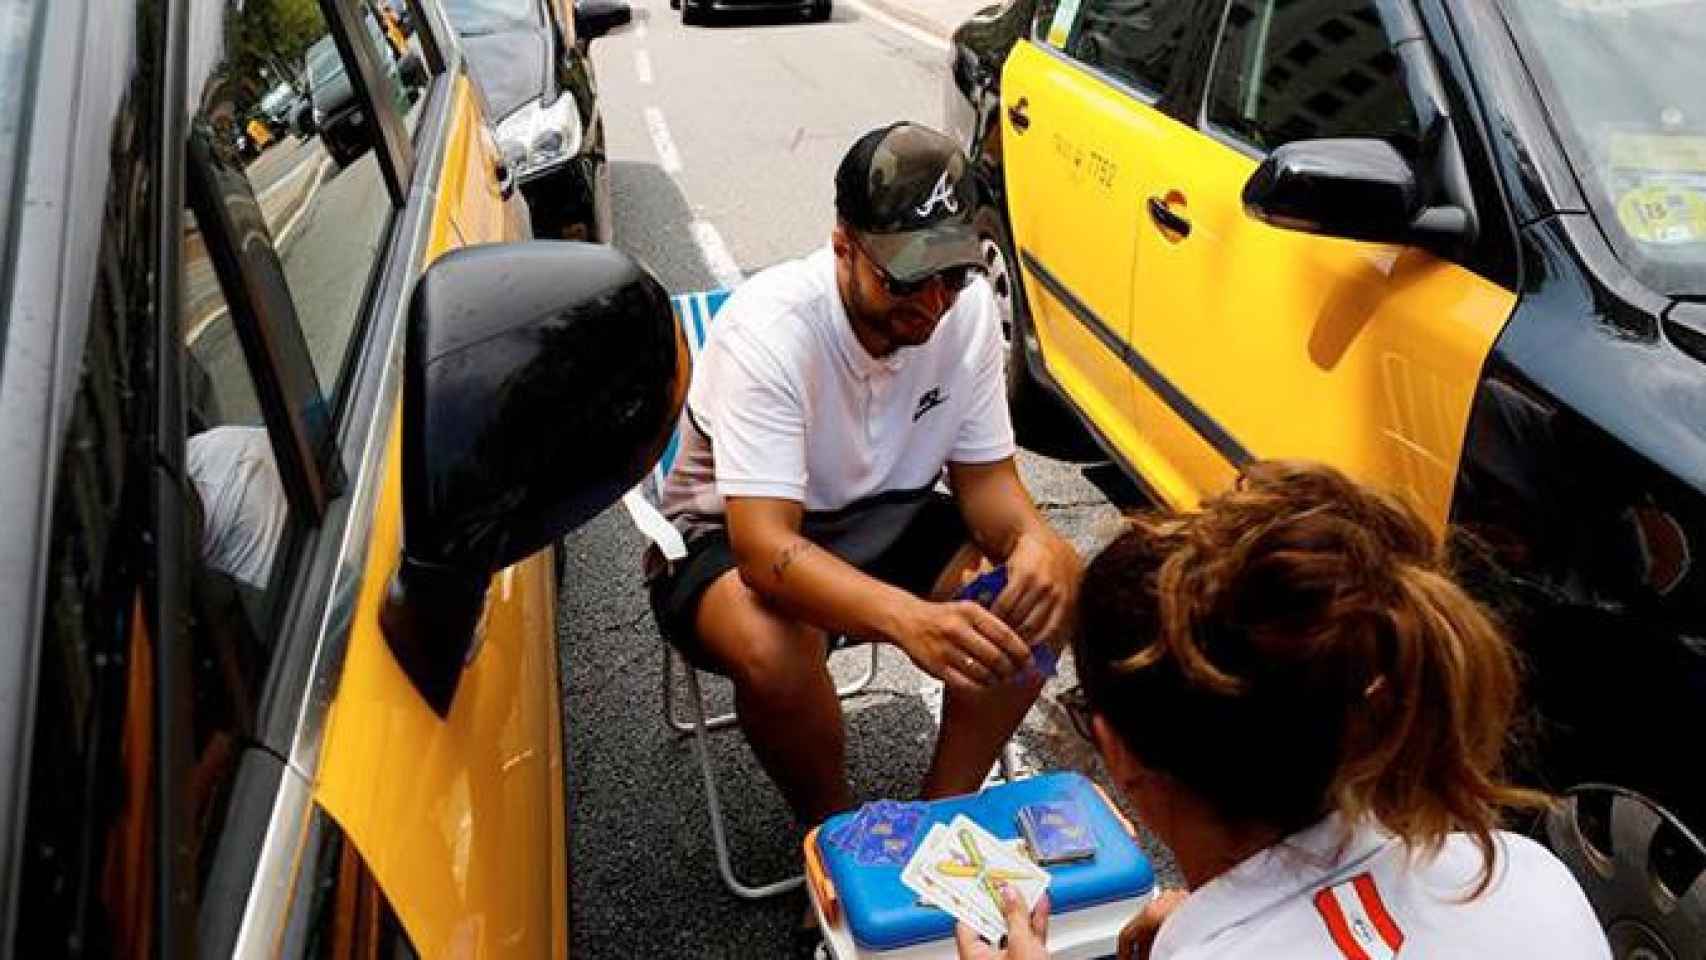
(1626, 81)
(277, 98)
(323, 61)
(472, 18)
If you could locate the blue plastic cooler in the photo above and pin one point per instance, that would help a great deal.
(883, 914)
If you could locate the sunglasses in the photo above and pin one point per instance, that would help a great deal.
(1077, 706)
(954, 279)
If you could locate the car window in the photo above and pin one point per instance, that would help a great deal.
(1134, 41)
(16, 19)
(473, 18)
(1302, 69)
(315, 178)
(90, 851)
(1624, 86)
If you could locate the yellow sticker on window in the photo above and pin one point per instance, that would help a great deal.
(1060, 27)
(1663, 214)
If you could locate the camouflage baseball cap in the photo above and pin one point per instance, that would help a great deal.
(907, 191)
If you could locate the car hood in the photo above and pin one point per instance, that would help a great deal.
(511, 68)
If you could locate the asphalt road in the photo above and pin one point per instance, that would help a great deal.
(723, 143)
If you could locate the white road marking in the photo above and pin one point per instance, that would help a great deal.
(640, 30)
(716, 253)
(899, 26)
(668, 157)
(284, 232)
(643, 66)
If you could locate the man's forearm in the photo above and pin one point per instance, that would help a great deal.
(808, 582)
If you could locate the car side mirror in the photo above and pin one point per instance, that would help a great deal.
(541, 381)
(1356, 189)
(595, 18)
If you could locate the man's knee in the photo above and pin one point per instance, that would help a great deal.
(762, 652)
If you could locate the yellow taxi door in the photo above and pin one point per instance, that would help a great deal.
(1082, 132)
(460, 817)
(1284, 344)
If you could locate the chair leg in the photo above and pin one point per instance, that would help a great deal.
(723, 721)
(719, 838)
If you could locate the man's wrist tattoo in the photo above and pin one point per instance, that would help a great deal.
(785, 556)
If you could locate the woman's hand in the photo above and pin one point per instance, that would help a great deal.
(1027, 936)
(1139, 934)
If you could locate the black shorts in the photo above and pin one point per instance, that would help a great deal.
(902, 539)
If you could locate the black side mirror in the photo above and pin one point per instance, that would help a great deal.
(1357, 189)
(541, 381)
(595, 18)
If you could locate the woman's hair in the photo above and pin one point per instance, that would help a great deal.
(1297, 648)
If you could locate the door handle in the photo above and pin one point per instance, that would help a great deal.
(506, 179)
(1019, 115)
(1164, 215)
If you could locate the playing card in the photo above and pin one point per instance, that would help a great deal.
(921, 876)
(1057, 831)
(985, 864)
(888, 835)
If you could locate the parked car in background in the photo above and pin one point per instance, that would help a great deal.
(278, 668)
(700, 11)
(275, 107)
(1457, 249)
(531, 60)
(339, 118)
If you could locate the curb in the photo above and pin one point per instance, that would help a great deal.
(905, 13)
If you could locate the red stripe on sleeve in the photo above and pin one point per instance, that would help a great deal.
(1337, 928)
(1370, 897)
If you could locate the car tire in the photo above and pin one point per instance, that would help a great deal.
(1041, 421)
(1639, 866)
(690, 15)
(821, 10)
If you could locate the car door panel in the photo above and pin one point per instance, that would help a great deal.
(464, 824)
(1072, 169)
(1364, 356)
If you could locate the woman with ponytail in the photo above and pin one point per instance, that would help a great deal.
(1297, 698)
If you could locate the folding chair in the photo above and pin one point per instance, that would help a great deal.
(694, 311)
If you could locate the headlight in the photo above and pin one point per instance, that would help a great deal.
(536, 138)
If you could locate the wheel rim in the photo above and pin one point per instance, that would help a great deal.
(1644, 872)
(1001, 281)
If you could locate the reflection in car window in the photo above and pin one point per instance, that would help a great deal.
(15, 23)
(1134, 40)
(314, 175)
(90, 852)
(472, 18)
(1626, 79)
(1302, 69)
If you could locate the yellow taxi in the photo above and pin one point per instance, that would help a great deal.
(287, 444)
(1456, 248)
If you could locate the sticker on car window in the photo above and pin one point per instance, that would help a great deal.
(1060, 27)
(1660, 185)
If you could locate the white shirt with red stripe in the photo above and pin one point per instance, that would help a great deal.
(1358, 895)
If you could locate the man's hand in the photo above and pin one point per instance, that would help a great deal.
(1042, 588)
(961, 644)
(1027, 936)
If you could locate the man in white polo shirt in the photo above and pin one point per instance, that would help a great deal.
(833, 393)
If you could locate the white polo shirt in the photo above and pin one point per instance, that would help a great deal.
(786, 403)
(1309, 898)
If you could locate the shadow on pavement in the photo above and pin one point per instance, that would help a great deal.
(653, 223)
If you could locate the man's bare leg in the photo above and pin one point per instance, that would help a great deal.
(784, 695)
(974, 726)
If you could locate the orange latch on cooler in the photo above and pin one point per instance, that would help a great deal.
(823, 889)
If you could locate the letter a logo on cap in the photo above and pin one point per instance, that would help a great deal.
(942, 193)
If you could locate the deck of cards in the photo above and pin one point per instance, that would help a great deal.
(881, 834)
(983, 590)
(960, 867)
(1057, 831)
